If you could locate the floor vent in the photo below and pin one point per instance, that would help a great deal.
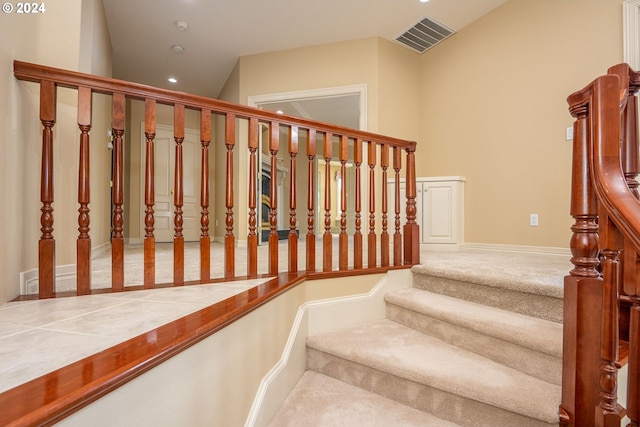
(424, 35)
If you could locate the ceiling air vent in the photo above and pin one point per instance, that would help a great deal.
(424, 35)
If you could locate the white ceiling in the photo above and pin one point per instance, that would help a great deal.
(220, 31)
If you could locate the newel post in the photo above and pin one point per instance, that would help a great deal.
(411, 228)
(582, 287)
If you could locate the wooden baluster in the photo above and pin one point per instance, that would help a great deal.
(357, 237)
(371, 238)
(384, 237)
(274, 146)
(229, 239)
(608, 412)
(117, 239)
(397, 236)
(149, 194)
(252, 237)
(178, 238)
(83, 243)
(411, 229)
(293, 235)
(343, 242)
(327, 249)
(205, 239)
(633, 389)
(631, 282)
(311, 180)
(47, 244)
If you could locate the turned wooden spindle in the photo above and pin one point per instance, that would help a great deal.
(371, 237)
(149, 194)
(411, 229)
(293, 234)
(311, 180)
(384, 236)
(205, 239)
(357, 237)
(327, 250)
(633, 389)
(274, 147)
(229, 238)
(178, 220)
(83, 243)
(47, 244)
(117, 239)
(252, 237)
(397, 236)
(608, 412)
(343, 239)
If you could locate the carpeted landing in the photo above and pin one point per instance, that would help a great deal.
(442, 357)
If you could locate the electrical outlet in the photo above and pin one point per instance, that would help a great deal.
(533, 220)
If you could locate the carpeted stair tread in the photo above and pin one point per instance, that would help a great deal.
(389, 347)
(530, 332)
(321, 401)
(515, 271)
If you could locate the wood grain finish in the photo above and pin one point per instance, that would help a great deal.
(311, 189)
(293, 196)
(371, 236)
(274, 147)
(327, 238)
(52, 397)
(384, 236)
(149, 193)
(47, 244)
(205, 240)
(397, 236)
(252, 237)
(83, 243)
(229, 238)
(178, 197)
(606, 210)
(117, 237)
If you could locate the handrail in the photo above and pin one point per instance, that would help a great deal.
(73, 80)
(381, 153)
(602, 292)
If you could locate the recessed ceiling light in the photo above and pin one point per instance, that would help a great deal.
(176, 48)
(182, 26)
(172, 80)
(280, 112)
(423, 1)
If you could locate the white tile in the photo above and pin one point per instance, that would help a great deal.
(46, 311)
(125, 320)
(7, 329)
(33, 353)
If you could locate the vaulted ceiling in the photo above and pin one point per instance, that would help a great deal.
(218, 32)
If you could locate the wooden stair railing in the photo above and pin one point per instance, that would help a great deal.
(605, 247)
(233, 116)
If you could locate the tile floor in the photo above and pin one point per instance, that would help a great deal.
(39, 336)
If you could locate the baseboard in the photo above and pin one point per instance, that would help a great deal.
(517, 248)
(313, 318)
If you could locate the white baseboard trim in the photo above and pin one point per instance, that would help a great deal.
(313, 318)
(517, 248)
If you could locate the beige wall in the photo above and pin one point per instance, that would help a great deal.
(52, 38)
(494, 111)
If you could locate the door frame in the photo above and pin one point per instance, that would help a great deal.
(302, 95)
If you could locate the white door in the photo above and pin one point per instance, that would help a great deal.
(164, 170)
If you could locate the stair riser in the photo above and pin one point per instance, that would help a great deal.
(457, 409)
(539, 306)
(537, 364)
